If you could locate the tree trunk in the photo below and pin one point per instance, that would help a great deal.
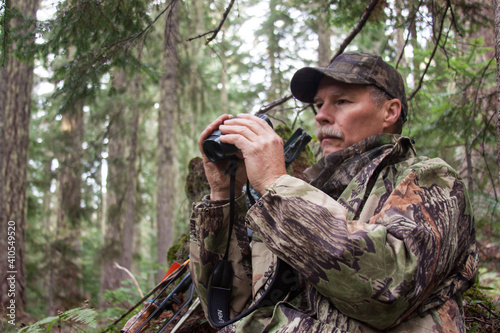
(414, 42)
(66, 285)
(274, 91)
(121, 182)
(324, 38)
(497, 48)
(400, 35)
(129, 209)
(224, 108)
(195, 50)
(167, 169)
(15, 113)
(116, 183)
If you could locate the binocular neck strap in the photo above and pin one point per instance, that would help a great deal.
(282, 282)
(222, 274)
(231, 170)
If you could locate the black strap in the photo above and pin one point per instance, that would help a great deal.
(222, 275)
(284, 281)
(231, 170)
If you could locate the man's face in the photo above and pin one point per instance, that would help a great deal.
(346, 115)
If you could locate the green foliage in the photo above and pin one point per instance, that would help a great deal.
(72, 319)
(16, 33)
(446, 120)
(95, 37)
(118, 300)
(5, 16)
(490, 283)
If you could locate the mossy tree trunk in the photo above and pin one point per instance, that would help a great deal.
(15, 112)
(166, 150)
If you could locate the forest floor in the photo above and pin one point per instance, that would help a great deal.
(482, 301)
(489, 272)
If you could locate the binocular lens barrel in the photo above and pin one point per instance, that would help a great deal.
(216, 150)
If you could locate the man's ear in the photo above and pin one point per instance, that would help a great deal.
(392, 111)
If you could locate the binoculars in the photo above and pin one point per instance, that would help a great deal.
(218, 151)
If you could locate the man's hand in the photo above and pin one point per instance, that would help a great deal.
(261, 148)
(216, 171)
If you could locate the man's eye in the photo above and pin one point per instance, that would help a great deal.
(341, 101)
(319, 105)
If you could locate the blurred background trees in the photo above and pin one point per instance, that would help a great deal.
(102, 103)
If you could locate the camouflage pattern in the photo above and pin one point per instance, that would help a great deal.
(383, 240)
(355, 68)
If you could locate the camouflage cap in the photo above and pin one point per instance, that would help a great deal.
(356, 68)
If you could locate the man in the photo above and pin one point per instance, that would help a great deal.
(381, 239)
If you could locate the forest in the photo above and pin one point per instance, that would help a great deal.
(102, 103)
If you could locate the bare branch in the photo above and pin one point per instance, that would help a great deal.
(436, 45)
(273, 104)
(215, 31)
(131, 276)
(304, 108)
(454, 20)
(142, 32)
(413, 18)
(366, 14)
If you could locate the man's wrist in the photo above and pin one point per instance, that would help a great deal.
(208, 202)
(223, 196)
(219, 196)
(268, 183)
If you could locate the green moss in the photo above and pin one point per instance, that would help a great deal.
(481, 315)
(179, 252)
(196, 182)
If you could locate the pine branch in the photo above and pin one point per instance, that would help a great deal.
(119, 43)
(5, 32)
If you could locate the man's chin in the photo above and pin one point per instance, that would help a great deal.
(329, 149)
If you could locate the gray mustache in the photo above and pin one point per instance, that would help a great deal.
(328, 132)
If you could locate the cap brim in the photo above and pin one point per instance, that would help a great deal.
(305, 82)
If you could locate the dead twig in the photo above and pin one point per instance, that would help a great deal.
(215, 31)
(407, 39)
(273, 104)
(419, 86)
(364, 18)
(131, 276)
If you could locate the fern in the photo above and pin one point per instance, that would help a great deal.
(84, 315)
(73, 317)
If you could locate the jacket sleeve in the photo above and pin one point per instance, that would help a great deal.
(208, 240)
(417, 246)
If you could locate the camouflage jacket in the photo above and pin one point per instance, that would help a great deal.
(383, 240)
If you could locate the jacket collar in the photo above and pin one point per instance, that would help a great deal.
(333, 172)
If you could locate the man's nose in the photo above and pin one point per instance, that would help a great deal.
(323, 117)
